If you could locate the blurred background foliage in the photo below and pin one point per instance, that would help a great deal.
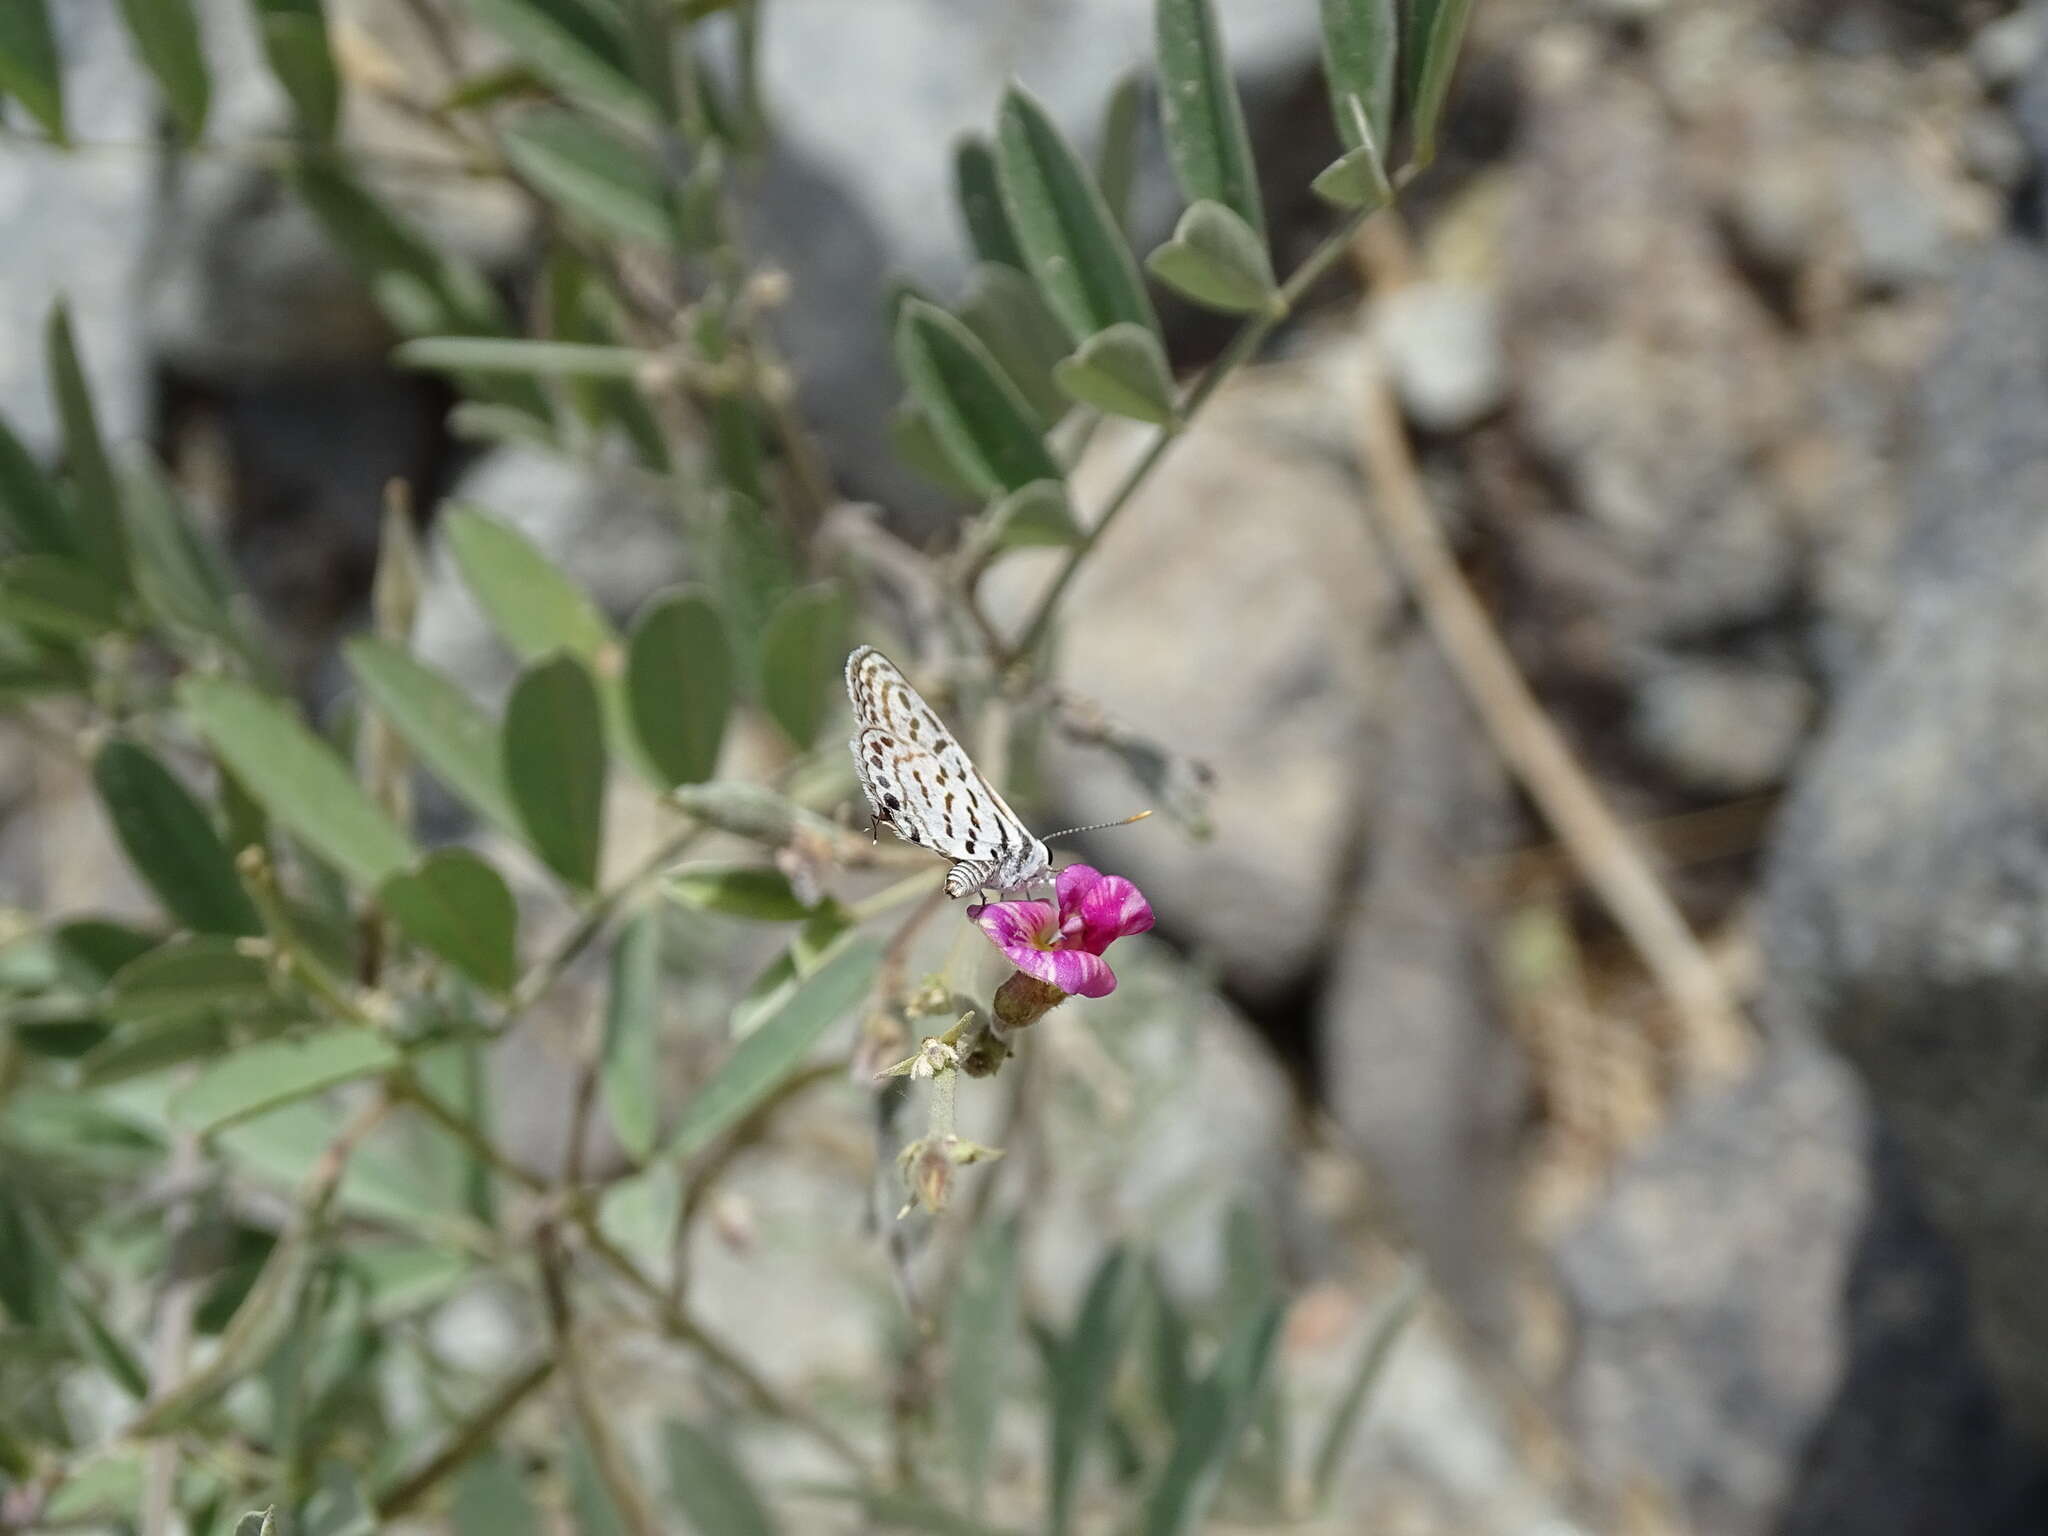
(1550, 518)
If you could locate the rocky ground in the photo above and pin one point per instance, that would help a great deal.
(1726, 337)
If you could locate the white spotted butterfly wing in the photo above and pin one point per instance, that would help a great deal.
(924, 788)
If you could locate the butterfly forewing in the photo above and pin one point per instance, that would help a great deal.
(916, 777)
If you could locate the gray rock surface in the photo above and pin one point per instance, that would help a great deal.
(1908, 879)
(1770, 1332)
(1263, 664)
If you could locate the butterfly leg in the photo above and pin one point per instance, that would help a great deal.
(874, 829)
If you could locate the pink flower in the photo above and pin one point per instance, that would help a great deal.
(1064, 948)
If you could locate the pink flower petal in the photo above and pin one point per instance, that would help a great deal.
(1017, 928)
(1071, 970)
(1110, 908)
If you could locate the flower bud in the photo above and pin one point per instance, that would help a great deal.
(1024, 1000)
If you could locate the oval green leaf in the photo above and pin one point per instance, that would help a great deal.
(202, 971)
(456, 906)
(631, 1021)
(1436, 31)
(58, 596)
(977, 414)
(1359, 180)
(295, 43)
(1213, 1416)
(1083, 1370)
(172, 842)
(1004, 308)
(679, 684)
(261, 1077)
(575, 47)
(1200, 114)
(802, 651)
(595, 173)
(1070, 241)
(32, 514)
(1122, 371)
(757, 891)
(1116, 157)
(778, 1045)
(166, 34)
(1218, 261)
(914, 441)
(554, 761)
(297, 778)
(1360, 44)
(1037, 516)
(532, 605)
(30, 69)
(95, 499)
(451, 734)
(504, 354)
(981, 1325)
(981, 204)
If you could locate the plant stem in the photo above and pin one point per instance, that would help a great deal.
(535, 984)
(411, 1090)
(465, 1441)
(1249, 338)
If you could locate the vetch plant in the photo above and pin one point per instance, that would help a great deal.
(249, 1144)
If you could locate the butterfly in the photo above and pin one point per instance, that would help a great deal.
(922, 785)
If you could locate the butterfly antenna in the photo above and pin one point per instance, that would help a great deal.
(1099, 826)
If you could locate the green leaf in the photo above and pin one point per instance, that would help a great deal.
(980, 1327)
(199, 971)
(166, 34)
(58, 596)
(1359, 180)
(913, 441)
(457, 907)
(261, 1077)
(1372, 1363)
(754, 573)
(30, 1279)
(452, 736)
(501, 354)
(981, 420)
(490, 1498)
(171, 841)
(152, 1045)
(1070, 241)
(679, 685)
(802, 651)
(258, 1522)
(99, 1343)
(1218, 261)
(1212, 1418)
(981, 204)
(554, 760)
(573, 45)
(177, 571)
(631, 1025)
(708, 1483)
(1201, 116)
(1122, 371)
(96, 501)
(32, 514)
(532, 605)
(1360, 45)
(777, 1046)
(592, 172)
(30, 70)
(757, 891)
(87, 952)
(295, 43)
(1436, 31)
(297, 777)
(1038, 516)
(1083, 1371)
(1004, 308)
(1116, 157)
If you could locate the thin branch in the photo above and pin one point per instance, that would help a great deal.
(172, 1343)
(410, 1090)
(465, 1441)
(1716, 1041)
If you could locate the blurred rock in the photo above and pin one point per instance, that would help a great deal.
(1894, 223)
(1422, 1073)
(1908, 878)
(1442, 346)
(1233, 616)
(2006, 49)
(77, 228)
(1771, 1333)
(1723, 729)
